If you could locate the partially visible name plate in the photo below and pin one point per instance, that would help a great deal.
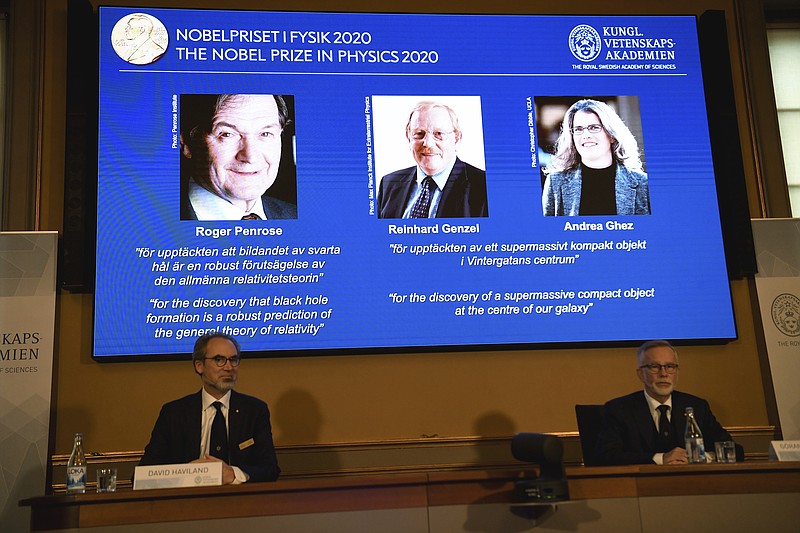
(784, 450)
(179, 475)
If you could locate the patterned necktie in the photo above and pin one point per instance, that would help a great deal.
(665, 440)
(218, 446)
(423, 203)
(251, 216)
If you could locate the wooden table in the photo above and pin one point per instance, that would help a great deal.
(642, 497)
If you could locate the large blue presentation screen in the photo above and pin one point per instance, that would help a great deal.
(339, 182)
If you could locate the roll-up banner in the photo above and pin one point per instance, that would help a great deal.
(777, 244)
(27, 320)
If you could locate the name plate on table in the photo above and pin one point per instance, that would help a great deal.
(178, 475)
(784, 450)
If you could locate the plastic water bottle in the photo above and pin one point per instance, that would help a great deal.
(76, 467)
(695, 449)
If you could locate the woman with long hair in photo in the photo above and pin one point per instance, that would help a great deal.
(596, 169)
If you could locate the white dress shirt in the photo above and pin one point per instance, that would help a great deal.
(209, 206)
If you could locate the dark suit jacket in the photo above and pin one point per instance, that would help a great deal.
(464, 194)
(275, 209)
(176, 435)
(562, 192)
(629, 432)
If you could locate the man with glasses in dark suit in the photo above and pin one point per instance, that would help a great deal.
(648, 426)
(216, 423)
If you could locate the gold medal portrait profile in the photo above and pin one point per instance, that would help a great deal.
(139, 39)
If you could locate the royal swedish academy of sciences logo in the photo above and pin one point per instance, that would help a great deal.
(585, 43)
(786, 314)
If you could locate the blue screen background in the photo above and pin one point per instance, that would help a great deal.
(504, 63)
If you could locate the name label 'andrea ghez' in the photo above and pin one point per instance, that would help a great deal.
(610, 225)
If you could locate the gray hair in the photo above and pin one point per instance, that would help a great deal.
(424, 106)
(200, 345)
(654, 344)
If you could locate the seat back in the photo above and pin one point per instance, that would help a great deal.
(590, 422)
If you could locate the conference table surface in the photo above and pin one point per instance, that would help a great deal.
(398, 491)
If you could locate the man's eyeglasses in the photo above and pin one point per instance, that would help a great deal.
(591, 128)
(220, 360)
(439, 135)
(654, 368)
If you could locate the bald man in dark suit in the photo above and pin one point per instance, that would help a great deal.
(440, 185)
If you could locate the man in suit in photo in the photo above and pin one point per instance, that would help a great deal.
(193, 428)
(634, 429)
(231, 146)
(440, 185)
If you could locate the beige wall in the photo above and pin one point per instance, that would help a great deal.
(372, 398)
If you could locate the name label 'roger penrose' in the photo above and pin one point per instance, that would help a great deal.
(178, 475)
